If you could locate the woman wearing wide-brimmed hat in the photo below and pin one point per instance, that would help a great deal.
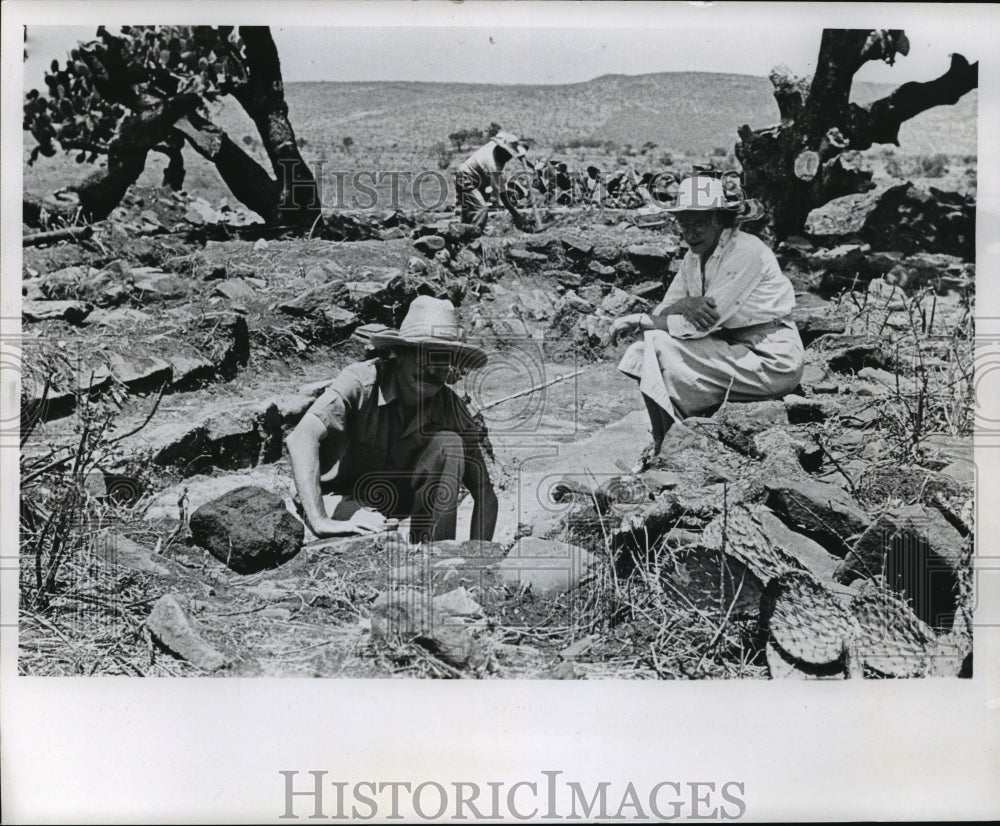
(389, 439)
(480, 172)
(724, 329)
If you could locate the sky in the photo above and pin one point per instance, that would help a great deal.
(557, 48)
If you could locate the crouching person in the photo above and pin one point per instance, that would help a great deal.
(389, 438)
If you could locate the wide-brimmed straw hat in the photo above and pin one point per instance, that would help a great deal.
(432, 321)
(510, 142)
(701, 193)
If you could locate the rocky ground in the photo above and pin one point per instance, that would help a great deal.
(826, 534)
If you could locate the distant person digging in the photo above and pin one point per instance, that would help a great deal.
(480, 175)
(724, 329)
(389, 439)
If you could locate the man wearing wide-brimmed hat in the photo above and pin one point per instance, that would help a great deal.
(389, 439)
(724, 328)
(480, 175)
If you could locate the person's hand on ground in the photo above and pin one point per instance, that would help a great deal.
(369, 519)
(364, 521)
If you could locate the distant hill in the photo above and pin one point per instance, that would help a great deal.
(394, 125)
(681, 111)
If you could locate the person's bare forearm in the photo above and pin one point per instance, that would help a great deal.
(303, 452)
(655, 321)
(484, 515)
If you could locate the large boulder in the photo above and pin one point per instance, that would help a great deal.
(248, 529)
(905, 217)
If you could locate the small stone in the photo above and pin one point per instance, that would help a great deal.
(801, 410)
(887, 296)
(455, 603)
(848, 354)
(606, 253)
(527, 259)
(813, 322)
(571, 299)
(454, 645)
(657, 480)
(235, 289)
(839, 259)
(576, 247)
(601, 270)
(170, 626)
(648, 290)
(545, 565)
(119, 317)
(459, 233)
(159, 286)
(739, 422)
(648, 258)
(292, 407)
(961, 470)
(618, 303)
(429, 244)
(341, 322)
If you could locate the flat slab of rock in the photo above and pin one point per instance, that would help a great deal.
(139, 373)
(121, 552)
(188, 372)
(248, 530)
(316, 299)
(170, 626)
(235, 289)
(824, 511)
(72, 311)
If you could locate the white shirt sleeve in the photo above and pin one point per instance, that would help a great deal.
(748, 288)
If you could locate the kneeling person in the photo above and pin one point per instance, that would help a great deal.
(389, 439)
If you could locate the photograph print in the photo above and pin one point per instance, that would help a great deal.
(496, 353)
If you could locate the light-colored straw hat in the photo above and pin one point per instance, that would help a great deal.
(701, 193)
(510, 142)
(432, 321)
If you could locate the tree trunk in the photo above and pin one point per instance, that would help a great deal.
(810, 157)
(243, 175)
(102, 191)
(263, 98)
